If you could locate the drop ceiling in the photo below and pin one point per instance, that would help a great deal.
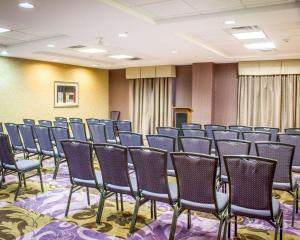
(159, 32)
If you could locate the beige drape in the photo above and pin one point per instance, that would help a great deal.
(271, 100)
(150, 103)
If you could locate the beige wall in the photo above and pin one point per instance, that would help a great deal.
(27, 90)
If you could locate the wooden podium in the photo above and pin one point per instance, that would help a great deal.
(182, 115)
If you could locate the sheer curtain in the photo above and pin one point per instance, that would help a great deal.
(271, 100)
(150, 103)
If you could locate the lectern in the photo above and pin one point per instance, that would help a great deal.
(182, 115)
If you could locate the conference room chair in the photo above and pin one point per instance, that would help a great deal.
(113, 162)
(109, 129)
(225, 134)
(190, 126)
(15, 138)
(252, 196)
(19, 167)
(196, 144)
(229, 147)
(165, 143)
(123, 125)
(59, 134)
(61, 119)
(150, 166)
(170, 132)
(79, 132)
(31, 122)
(255, 136)
(283, 178)
(81, 168)
(130, 139)
(293, 139)
(92, 120)
(115, 115)
(1, 128)
(196, 182)
(29, 143)
(193, 132)
(241, 129)
(209, 131)
(45, 123)
(292, 130)
(273, 131)
(97, 133)
(61, 124)
(75, 120)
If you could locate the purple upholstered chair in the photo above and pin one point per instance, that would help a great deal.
(255, 136)
(81, 168)
(164, 143)
(170, 132)
(78, 130)
(30, 146)
(283, 179)
(21, 167)
(61, 119)
(225, 135)
(241, 129)
(273, 131)
(114, 115)
(15, 138)
(193, 132)
(31, 122)
(109, 129)
(116, 179)
(293, 139)
(123, 126)
(130, 139)
(252, 196)
(1, 128)
(196, 181)
(97, 133)
(150, 166)
(45, 123)
(59, 135)
(190, 126)
(78, 120)
(292, 130)
(61, 124)
(196, 144)
(209, 128)
(92, 120)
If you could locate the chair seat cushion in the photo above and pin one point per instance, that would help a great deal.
(50, 153)
(124, 189)
(285, 186)
(296, 169)
(111, 141)
(89, 182)
(171, 172)
(162, 197)
(23, 165)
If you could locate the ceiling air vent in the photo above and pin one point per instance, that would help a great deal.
(245, 28)
(135, 59)
(76, 47)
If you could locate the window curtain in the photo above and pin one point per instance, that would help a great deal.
(270, 100)
(150, 103)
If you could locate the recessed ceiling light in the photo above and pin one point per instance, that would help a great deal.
(94, 65)
(55, 60)
(229, 22)
(4, 52)
(174, 52)
(123, 34)
(51, 46)
(92, 50)
(249, 35)
(261, 46)
(3, 30)
(27, 5)
(120, 56)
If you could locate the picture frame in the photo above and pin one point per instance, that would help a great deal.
(66, 94)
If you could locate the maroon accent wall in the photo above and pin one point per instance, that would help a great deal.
(183, 86)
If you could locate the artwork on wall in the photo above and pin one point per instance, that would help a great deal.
(66, 94)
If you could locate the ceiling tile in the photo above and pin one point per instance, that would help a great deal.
(8, 41)
(133, 3)
(257, 3)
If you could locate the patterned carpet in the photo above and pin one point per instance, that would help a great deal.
(37, 215)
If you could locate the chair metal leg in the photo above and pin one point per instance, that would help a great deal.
(229, 227)
(122, 204)
(151, 209)
(88, 196)
(24, 180)
(134, 216)
(294, 208)
(117, 201)
(297, 199)
(174, 222)
(19, 186)
(56, 168)
(100, 207)
(235, 226)
(189, 219)
(41, 179)
(222, 222)
(2, 178)
(154, 210)
(69, 201)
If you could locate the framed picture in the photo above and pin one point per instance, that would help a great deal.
(66, 94)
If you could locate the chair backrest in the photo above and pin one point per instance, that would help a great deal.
(6, 154)
(292, 130)
(1, 128)
(150, 166)
(78, 130)
(14, 135)
(130, 139)
(209, 131)
(61, 124)
(80, 160)
(79, 120)
(114, 115)
(196, 177)
(165, 143)
(196, 144)
(109, 129)
(240, 128)
(97, 133)
(293, 139)
(61, 119)
(30, 122)
(27, 136)
(45, 123)
(92, 120)
(170, 132)
(246, 190)
(225, 134)
(44, 138)
(193, 132)
(190, 126)
(255, 136)
(123, 125)
(113, 163)
(281, 152)
(59, 134)
(231, 147)
(273, 131)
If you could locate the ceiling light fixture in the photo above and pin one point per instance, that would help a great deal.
(3, 30)
(121, 56)
(123, 34)
(51, 46)
(229, 22)
(94, 65)
(261, 46)
(174, 52)
(249, 35)
(92, 50)
(27, 5)
(4, 52)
